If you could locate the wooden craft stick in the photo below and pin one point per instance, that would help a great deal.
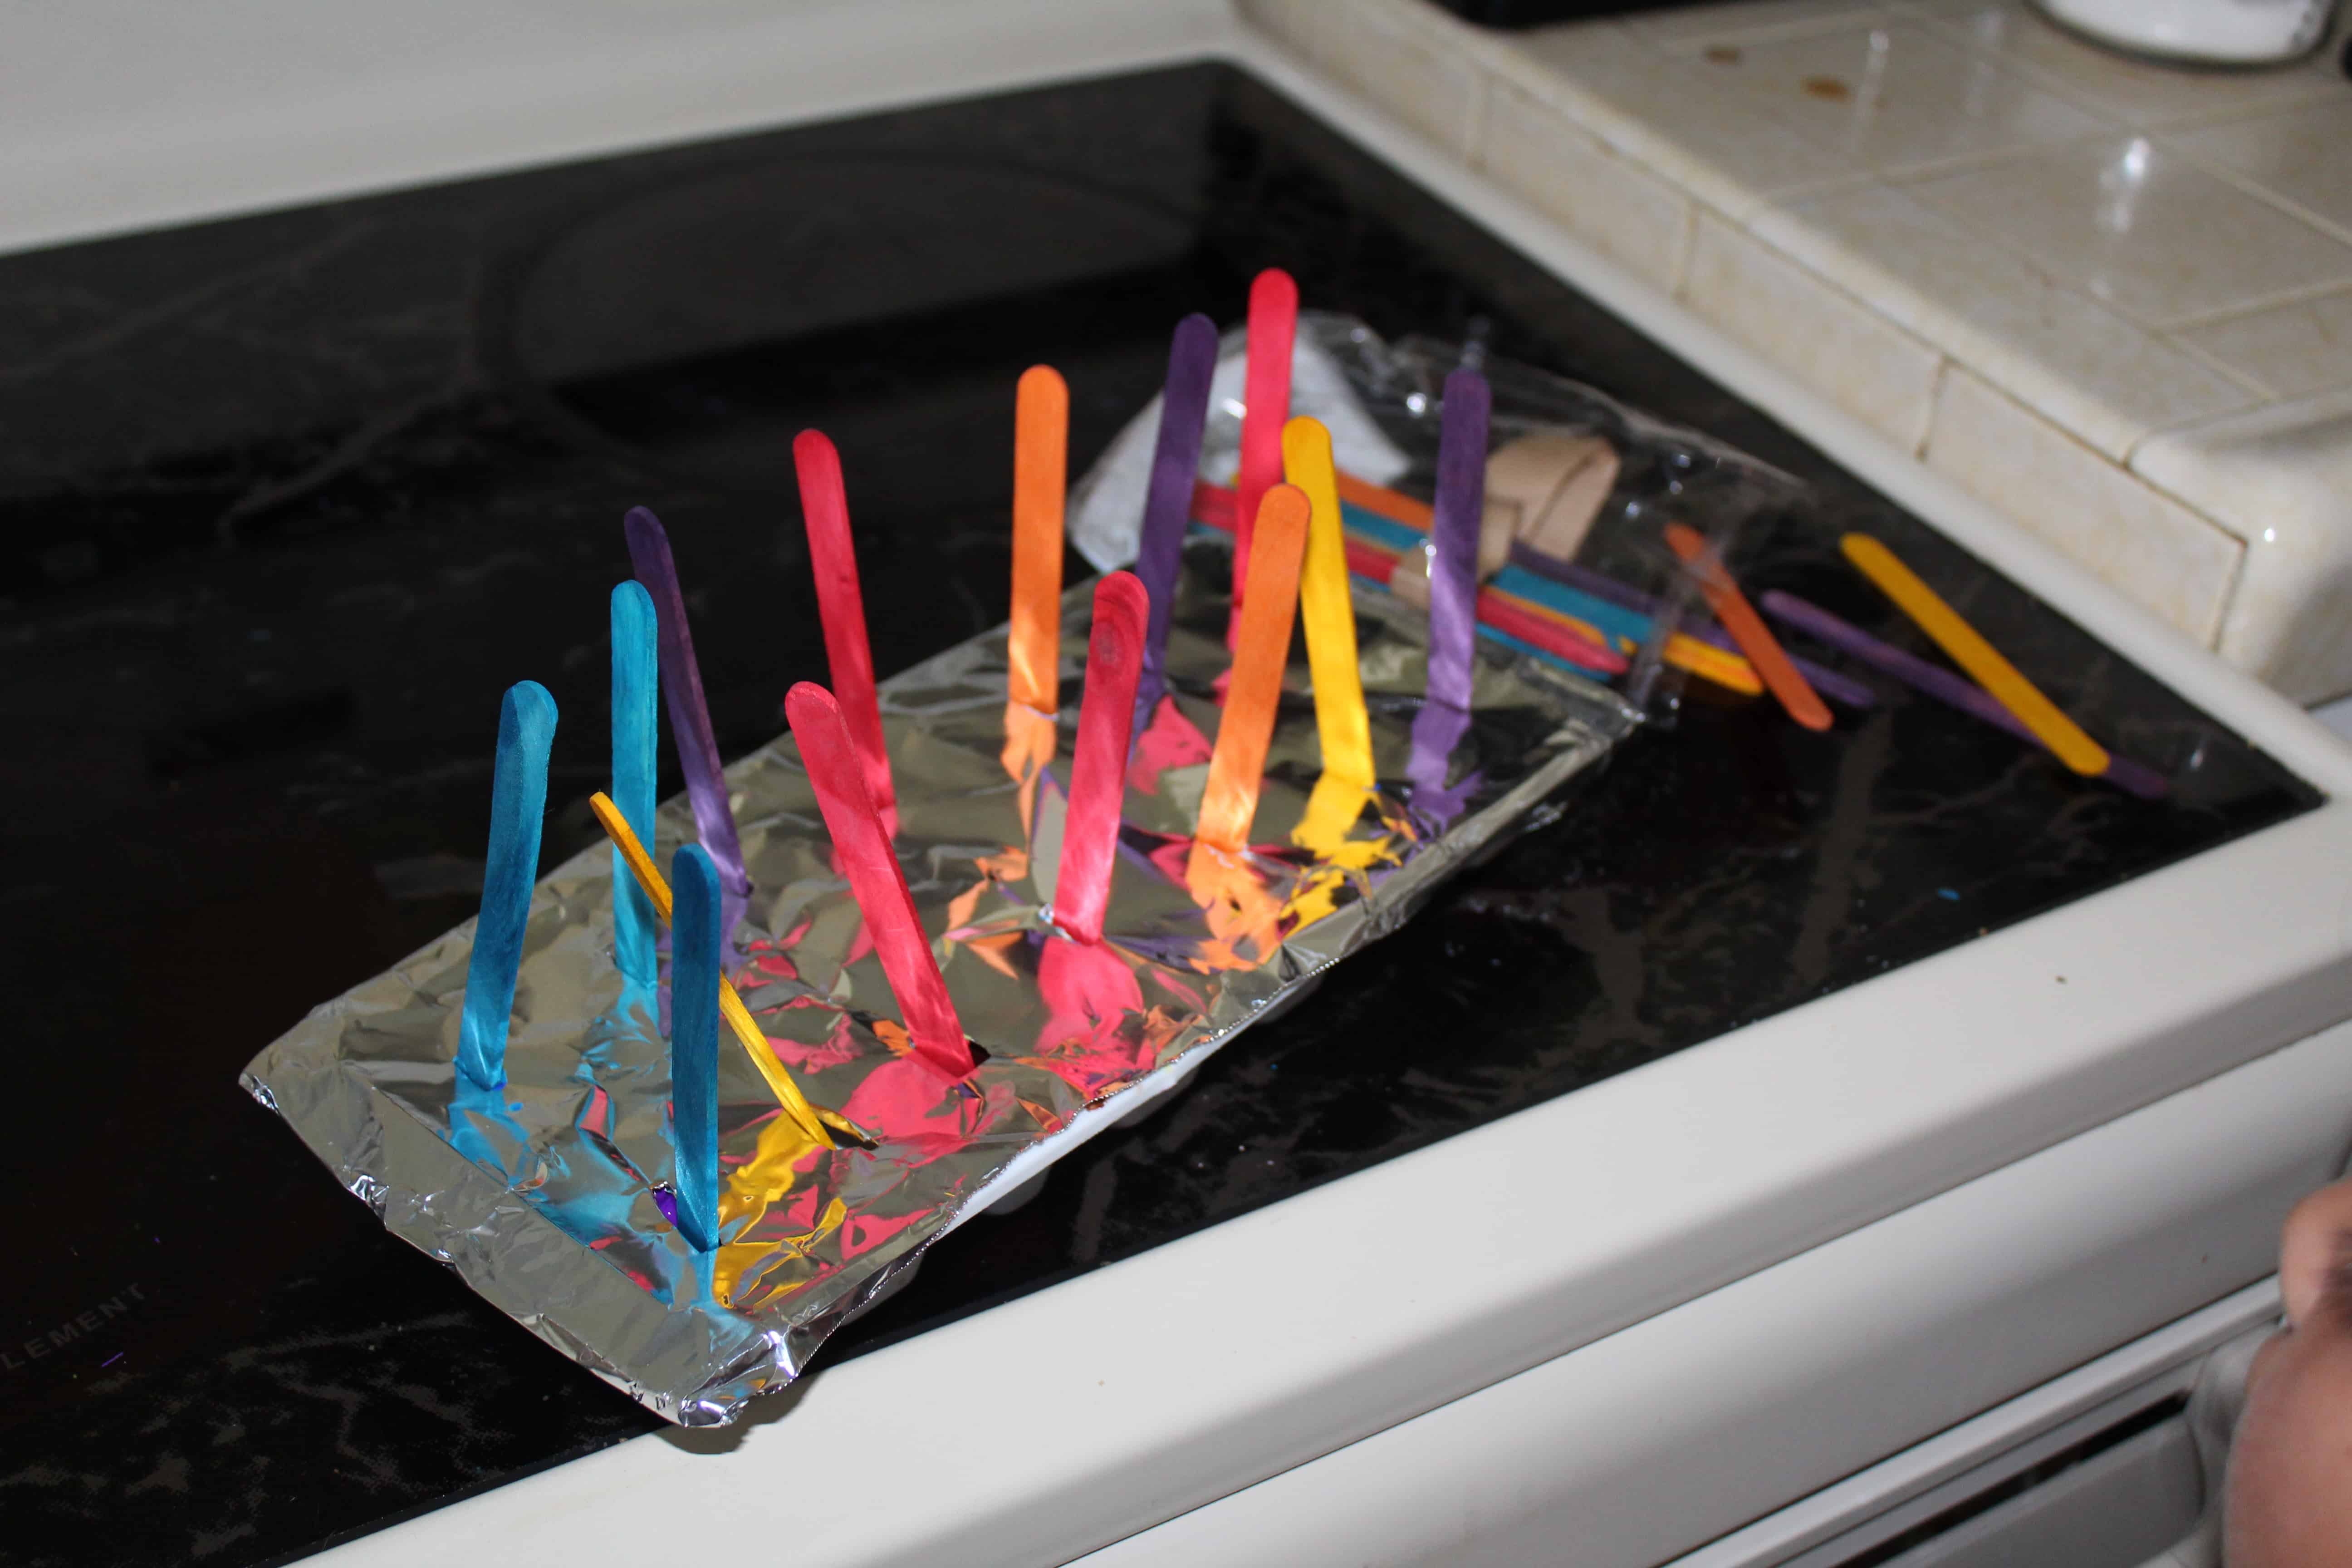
(1099, 772)
(636, 713)
(833, 556)
(1747, 627)
(689, 714)
(517, 805)
(1266, 407)
(1168, 504)
(1936, 682)
(1453, 538)
(1969, 651)
(1041, 434)
(1340, 721)
(1229, 799)
(748, 1034)
(878, 882)
(693, 1045)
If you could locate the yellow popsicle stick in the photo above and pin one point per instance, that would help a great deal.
(1326, 609)
(1708, 662)
(808, 1118)
(1969, 651)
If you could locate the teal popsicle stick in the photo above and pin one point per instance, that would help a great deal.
(1611, 620)
(694, 1042)
(518, 806)
(636, 715)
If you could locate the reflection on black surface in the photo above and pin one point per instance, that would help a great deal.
(293, 499)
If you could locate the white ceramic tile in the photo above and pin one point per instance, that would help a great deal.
(1292, 21)
(1896, 97)
(2137, 94)
(2141, 229)
(2301, 154)
(1536, 151)
(1666, 113)
(2289, 351)
(2143, 542)
(1856, 358)
(2104, 378)
(1684, 28)
(1388, 55)
(2282, 478)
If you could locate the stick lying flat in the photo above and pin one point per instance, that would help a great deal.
(1972, 653)
(1746, 628)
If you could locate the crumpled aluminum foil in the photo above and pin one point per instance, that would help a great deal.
(547, 1195)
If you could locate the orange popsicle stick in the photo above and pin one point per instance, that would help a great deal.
(1229, 799)
(1746, 628)
(1041, 429)
(1969, 651)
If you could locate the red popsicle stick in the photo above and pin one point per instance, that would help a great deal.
(833, 557)
(1266, 406)
(1098, 773)
(876, 880)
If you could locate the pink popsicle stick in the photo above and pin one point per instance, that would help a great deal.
(833, 557)
(1266, 406)
(1098, 773)
(876, 881)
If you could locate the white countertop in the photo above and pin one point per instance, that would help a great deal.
(2112, 298)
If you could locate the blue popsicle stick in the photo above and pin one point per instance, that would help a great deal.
(636, 715)
(1610, 620)
(517, 805)
(694, 1042)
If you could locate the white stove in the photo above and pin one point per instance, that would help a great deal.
(1783, 1297)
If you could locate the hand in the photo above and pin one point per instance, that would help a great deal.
(2290, 1486)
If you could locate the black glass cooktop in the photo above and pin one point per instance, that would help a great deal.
(289, 499)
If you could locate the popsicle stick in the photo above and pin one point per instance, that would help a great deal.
(1099, 772)
(1934, 680)
(1453, 537)
(1168, 504)
(1340, 721)
(875, 880)
(748, 1034)
(518, 806)
(1041, 434)
(637, 719)
(833, 557)
(1385, 502)
(693, 1045)
(1265, 408)
(1746, 628)
(1229, 798)
(689, 714)
(1972, 653)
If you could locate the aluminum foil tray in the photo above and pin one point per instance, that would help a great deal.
(549, 1194)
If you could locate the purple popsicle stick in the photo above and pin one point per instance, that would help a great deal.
(1842, 689)
(2135, 778)
(1453, 538)
(1168, 504)
(689, 714)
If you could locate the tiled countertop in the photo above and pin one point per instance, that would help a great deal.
(2113, 298)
